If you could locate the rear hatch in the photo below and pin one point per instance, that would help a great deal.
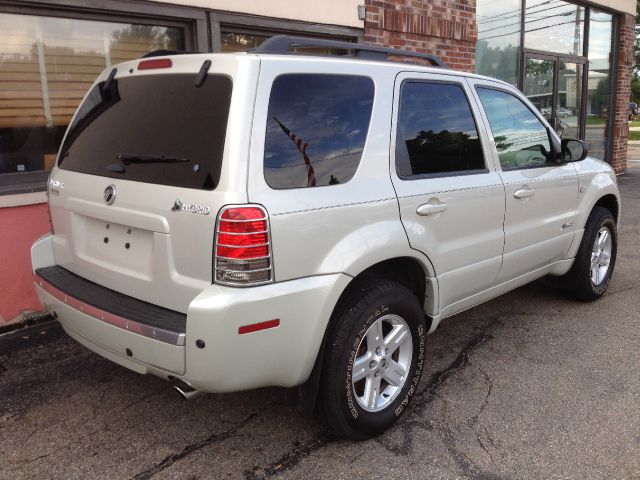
(143, 170)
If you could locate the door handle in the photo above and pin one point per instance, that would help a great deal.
(524, 193)
(430, 209)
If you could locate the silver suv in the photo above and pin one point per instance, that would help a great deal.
(234, 221)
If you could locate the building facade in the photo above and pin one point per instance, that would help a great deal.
(573, 60)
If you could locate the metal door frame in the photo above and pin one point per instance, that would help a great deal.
(556, 59)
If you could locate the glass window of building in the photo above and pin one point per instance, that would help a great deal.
(240, 42)
(598, 84)
(498, 47)
(554, 26)
(568, 99)
(47, 65)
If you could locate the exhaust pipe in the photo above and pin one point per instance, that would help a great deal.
(186, 391)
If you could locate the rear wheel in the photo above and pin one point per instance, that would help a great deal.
(374, 359)
(591, 272)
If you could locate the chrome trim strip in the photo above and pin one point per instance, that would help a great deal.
(243, 259)
(242, 246)
(155, 333)
(242, 221)
(236, 233)
(243, 271)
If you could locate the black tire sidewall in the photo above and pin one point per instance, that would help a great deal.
(604, 219)
(394, 300)
(580, 285)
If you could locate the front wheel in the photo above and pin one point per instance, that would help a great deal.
(374, 359)
(591, 272)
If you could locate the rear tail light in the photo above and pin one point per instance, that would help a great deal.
(242, 246)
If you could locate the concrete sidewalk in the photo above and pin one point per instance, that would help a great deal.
(633, 153)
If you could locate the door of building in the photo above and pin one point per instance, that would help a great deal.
(554, 85)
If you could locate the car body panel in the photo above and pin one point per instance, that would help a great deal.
(140, 244)
(483, 245)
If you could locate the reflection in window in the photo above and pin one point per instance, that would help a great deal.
(240, 42)
(569, 99)
(521, 139)
(498, 47)
(316, 129)
(538, 84)
(46, 66)
(436, 131)
(598, 90)
(554, 26)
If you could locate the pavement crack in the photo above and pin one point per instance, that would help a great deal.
(404, 449)
(439, 378)
(474, 420)
(291, 458)
(4, 358)
(194, 447)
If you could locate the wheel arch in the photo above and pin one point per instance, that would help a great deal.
(610, 202)
(406, 270)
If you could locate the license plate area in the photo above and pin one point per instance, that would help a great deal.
(114, 246)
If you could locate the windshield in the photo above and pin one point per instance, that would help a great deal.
(154, 128)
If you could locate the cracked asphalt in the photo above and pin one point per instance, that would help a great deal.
(527, 386)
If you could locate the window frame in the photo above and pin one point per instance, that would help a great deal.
(461, 85)
(541, 119)
(193, 22)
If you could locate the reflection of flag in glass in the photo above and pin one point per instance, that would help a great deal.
(302, 146)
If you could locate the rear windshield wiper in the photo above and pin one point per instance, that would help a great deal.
(129, 158)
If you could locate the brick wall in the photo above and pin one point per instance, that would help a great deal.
(623, 86)
(446, 28)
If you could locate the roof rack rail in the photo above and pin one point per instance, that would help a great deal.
(162, 53)
(283, 44)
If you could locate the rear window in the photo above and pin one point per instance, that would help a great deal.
(155, 129)
(316, 129)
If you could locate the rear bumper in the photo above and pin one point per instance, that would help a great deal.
(229, 359)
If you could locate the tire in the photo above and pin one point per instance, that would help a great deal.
(581, 283)
(374, 309)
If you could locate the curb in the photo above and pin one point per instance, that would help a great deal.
(31, 333)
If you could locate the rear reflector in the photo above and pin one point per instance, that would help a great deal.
(155, 63)
(255, 327)
(242, 249)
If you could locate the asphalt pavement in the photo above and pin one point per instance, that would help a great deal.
(528, 386)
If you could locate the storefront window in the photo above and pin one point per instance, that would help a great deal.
(236, 41)
(240, 42)
(598, 89)
(498, 47)
(46, 66)
(554, 26)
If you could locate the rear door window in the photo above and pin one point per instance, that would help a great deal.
(316, 129)
(436, 134)
(154, 128)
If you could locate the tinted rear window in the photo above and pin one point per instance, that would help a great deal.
(436, 131)
(152, 117)
(316, 129)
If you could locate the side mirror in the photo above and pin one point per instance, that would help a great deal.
(574, 150)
